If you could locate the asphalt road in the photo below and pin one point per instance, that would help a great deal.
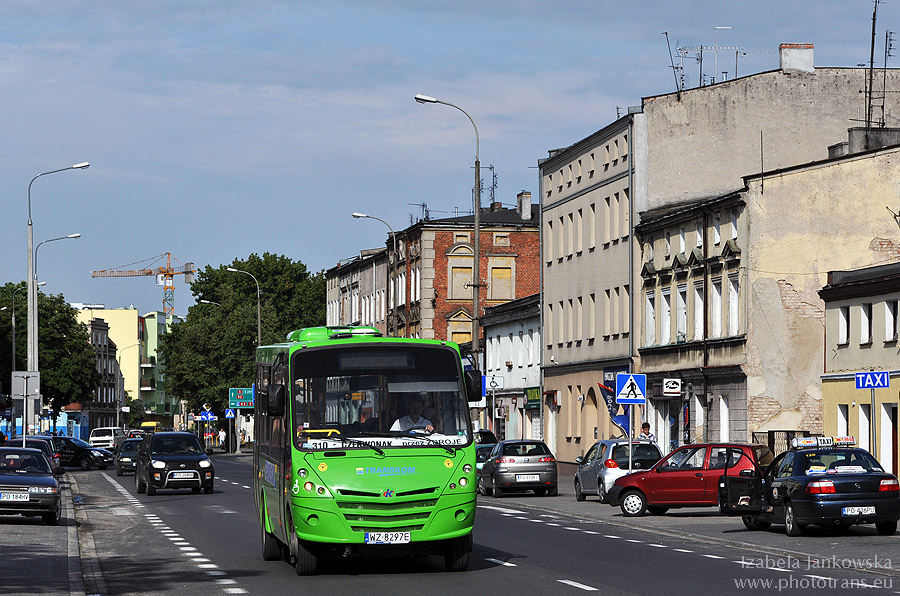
(178, 542)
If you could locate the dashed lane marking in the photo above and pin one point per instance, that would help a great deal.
(574, 584)
(499, 562)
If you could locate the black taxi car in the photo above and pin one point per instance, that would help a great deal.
(826, 481)
(173, 460)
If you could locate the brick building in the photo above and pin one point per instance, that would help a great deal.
(434, 270)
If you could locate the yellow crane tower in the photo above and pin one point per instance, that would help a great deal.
(165, 277)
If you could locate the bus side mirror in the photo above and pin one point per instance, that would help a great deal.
(473, 385)
(276, 400)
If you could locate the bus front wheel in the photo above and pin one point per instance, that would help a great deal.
(271, 549)
(456, 557)
(305, 560)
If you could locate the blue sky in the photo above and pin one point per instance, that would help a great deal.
(216, 129)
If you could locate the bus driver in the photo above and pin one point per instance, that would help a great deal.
(414, 420)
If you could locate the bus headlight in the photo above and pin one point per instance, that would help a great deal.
(467, 468)
(463, 481)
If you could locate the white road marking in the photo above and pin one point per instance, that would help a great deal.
(569, 582)
(611, 536)
(682, 550)
(500, 509)
(570, 528)
(713, 557)
(499, 562)
(590, 532)
(633, 540)
(658, 545)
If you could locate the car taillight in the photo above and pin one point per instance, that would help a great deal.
(820, 487)
(611, 463)
(506, 460)
(547, 459)
(889, 485)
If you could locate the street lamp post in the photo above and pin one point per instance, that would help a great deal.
(392, 294)
(258, 309)
(30, 279)
(476, 280)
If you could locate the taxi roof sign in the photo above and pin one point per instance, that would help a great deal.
(822, 442)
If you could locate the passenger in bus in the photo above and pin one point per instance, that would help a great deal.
(414, 420)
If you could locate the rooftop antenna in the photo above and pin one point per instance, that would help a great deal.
(672, 61)
(871, 73)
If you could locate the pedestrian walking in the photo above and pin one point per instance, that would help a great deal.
(221, 437)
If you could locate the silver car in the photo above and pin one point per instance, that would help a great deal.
(606, 461)
(519, 465)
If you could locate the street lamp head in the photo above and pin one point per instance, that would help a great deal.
(425, 98)
(75, 235)
(232, 269)
(359, 215)
(82, 166)
(42, 283)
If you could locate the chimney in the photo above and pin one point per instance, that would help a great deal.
(496, 206)
(796, 57)
(523, 205)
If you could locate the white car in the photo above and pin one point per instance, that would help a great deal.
(107, 437)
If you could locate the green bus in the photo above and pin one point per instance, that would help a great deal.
(363, 444)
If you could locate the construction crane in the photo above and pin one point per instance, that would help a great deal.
(165, 277)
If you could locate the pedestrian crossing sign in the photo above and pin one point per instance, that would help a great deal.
(631, 388)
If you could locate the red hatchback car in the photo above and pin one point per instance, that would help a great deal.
(687, 477)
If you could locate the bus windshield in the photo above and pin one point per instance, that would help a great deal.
(381, 395)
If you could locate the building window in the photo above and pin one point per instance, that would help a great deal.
(699, 234)
(681, 240)
(592, 317)
(502, 286)
(579, 318)
(865, 323)
(529, 347)
(549, 329)
(668, 252)
(650, 320)
(733, 306)
(734, 224)
(843, 416)
(724, 430)
(681, 314)
(579, 232)
(843, 325)
(698, 311)
(548, 242)
(717, 229)
(592, 227)
(716, 314)
(890, 320)
(665, 314)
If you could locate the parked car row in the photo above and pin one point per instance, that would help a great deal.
(28, 484)
(826, 481)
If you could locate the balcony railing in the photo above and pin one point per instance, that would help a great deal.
(148, 361)
(148, 384)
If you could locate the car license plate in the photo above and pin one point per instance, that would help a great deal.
(387, 537)
(870, 510)
(527, 477)
(14, 496)
(182, 474)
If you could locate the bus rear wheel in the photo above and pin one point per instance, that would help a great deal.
(271, 549)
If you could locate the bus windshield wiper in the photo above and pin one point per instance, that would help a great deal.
(358, 442)
(408, 434)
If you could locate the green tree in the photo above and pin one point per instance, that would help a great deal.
(214, 348)
(68, 366)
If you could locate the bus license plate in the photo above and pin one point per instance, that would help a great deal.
(14, 497)
(527, 477)
(387, 537)
(182, 474)
(870, 510)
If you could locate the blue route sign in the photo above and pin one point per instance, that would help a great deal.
(873, 380)
(207, 416)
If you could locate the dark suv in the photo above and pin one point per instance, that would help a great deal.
(173, 460)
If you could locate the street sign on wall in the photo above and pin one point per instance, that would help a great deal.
(873, 380)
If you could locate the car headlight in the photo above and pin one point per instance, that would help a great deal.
(42, 490)
(159, 465)
(205, 463)
(97, 453)
(124, 459)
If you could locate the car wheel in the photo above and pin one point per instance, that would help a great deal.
(496, 492)
(456, 557)
(484, 490)
(139, 486)
(85, 463)
(601, 491)
(751, 522)
(52, 519)
(886, 528)
(579, 496)
(634, 503)
(791, 527)
(657, 510)
(151, 490)
(208, 489)
(553, 490)
(119, 470)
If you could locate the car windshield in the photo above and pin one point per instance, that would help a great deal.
(525, 449)
(81, 443)
(130, 445)
(177, 444)
(482, 452)
(838, 461)
(645, 455)
(23, 463)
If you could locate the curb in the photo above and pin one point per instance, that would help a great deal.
(92, 582)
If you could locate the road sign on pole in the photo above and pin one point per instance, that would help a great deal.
(631, 388)
(240, 397)
(229, 413)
